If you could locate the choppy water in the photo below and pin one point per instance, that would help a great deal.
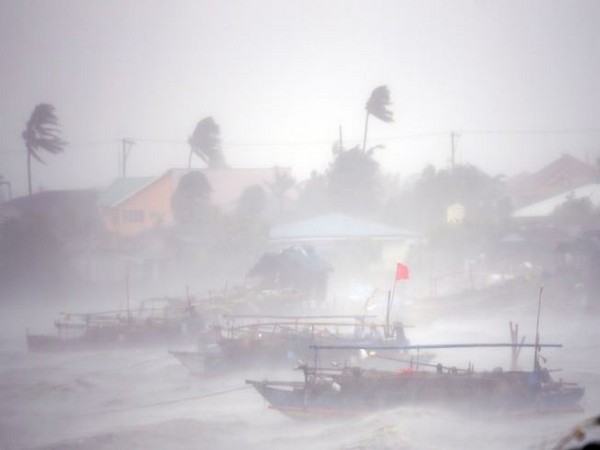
(144, 399)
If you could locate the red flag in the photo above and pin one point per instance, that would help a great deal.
(401, 272)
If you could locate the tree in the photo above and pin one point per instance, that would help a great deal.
(42, 133)
(377, 106)
(575, 211)
(423, 205)
(282, 183)
(354, 181)
(205, 142)
(191, 200)
(252, 202)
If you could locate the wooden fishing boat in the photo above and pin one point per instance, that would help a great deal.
(156, 320)
(282, 340)
(355, 390)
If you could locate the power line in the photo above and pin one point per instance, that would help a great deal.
(330, 141)
(565, 131)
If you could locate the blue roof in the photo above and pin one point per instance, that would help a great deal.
(121, 189)
(335, 227)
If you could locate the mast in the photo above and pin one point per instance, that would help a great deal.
(536, 362)
(387, 315)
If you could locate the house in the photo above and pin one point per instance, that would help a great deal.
(545, 208)
(359, 250)
(566, 172)
(133, 205)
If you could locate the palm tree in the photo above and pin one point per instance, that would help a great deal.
(42, 133)
(206, 143)
(377, 106)
(282, 183)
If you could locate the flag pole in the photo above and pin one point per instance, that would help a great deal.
(390, 304)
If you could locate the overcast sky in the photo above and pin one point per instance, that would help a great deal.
(280, 77)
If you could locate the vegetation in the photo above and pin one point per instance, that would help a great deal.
(576, 211)
(190, 202)
(41, 133)
(205, 143)
(377, 106)
(354, 182)
(424, 204)
(252, 202)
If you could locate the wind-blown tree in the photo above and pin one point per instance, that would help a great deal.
(423, 204)
(252, 202)
(42, 133)
(377, 106)
(282, 183)
(205, 142)
(354, 181)
(191, 200)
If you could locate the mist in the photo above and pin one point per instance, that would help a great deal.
(172, 176)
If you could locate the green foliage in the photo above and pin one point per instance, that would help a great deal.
(313, 197)
(42, 132)
(354, 182)
(30, 250)
(191, 200)
(378, 104)
(205, 142)
(576, 211)
(252, 202)
(423, 206)
(283, 182)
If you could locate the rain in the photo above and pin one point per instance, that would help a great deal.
(285, 225)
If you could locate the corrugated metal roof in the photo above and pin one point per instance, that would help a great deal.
(337, 226)
(546, 207)
(121, 189)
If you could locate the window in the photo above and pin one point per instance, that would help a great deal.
(133, 216)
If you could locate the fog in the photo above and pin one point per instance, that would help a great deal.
(218, 155)
(281, 79)
(143, 398)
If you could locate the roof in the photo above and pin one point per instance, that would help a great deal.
(546, 207)
(121, 189)
(337, 227)
(228, 184)
(566, 172)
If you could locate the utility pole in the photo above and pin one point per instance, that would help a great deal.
(6, 183)
(453, 140)
(126, 148)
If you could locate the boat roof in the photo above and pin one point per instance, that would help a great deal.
(429, 346)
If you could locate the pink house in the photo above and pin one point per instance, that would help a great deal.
(132, 205)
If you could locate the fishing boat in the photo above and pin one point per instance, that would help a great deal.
(155, 320)
(282, 340)
(352, 390)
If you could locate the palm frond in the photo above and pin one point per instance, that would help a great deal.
(205, 142)
(378, 104)
(42, 132)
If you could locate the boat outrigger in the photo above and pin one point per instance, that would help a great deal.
(352, 390)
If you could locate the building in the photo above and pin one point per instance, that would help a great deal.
(133, 205)
(565, 173)
(359, 251)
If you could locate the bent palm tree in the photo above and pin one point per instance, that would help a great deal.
(377, 106)
(42, 133)
(206, 143)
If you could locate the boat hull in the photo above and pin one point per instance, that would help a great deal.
(107, 337)
(510, 393)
